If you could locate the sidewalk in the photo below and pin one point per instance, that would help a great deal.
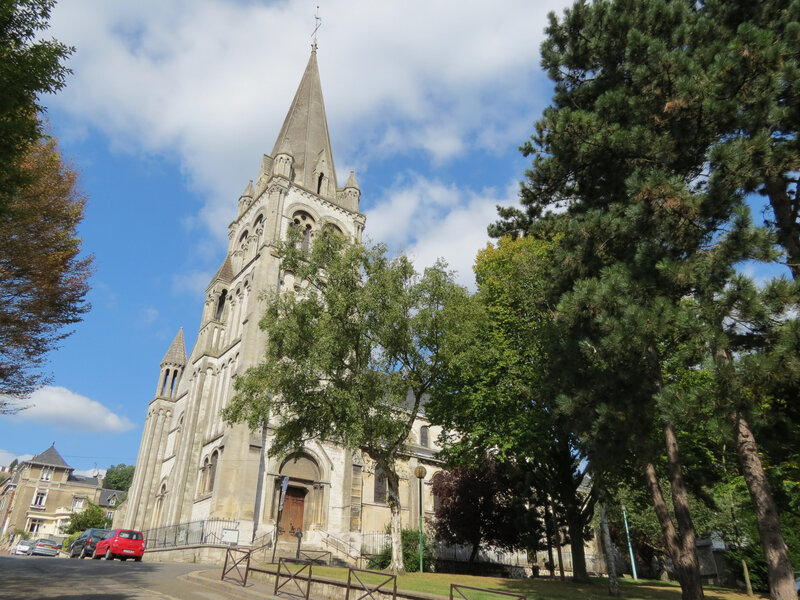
(229, 589)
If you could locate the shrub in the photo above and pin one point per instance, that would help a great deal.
(410, 553)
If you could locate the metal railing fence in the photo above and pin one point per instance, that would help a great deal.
(209, 531)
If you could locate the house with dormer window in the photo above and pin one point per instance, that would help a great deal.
(42, 493)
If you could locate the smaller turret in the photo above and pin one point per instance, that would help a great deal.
(264, 175)
(283, 164)
(349, 196)
(172, 366)
(246, 199)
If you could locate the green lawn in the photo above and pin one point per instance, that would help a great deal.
(534, 589)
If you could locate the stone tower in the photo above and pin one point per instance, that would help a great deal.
(191, 465)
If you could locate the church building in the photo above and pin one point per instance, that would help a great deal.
(193, 467)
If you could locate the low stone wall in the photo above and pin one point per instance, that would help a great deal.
(205, 554)
(332, 589)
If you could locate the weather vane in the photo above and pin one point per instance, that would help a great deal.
(318, 22)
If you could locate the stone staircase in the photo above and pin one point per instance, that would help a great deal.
(288, 549)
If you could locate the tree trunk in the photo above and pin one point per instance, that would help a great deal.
(680, 504)
(608, 550)
(560, 558)
(575, 525)
(393, 498)
(786, 215)
(663, 572)
(548, 526)
(779, 568)
(689, 591)
(471, 564)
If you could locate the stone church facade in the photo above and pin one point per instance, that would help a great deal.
(191, 465)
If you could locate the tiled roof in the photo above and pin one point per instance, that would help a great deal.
(50, 458)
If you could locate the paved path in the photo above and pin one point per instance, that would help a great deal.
(42, 578)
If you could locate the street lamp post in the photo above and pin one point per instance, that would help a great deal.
(630, 546)
(420, 473)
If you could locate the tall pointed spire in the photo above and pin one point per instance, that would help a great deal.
(176, 355)
(304, 134)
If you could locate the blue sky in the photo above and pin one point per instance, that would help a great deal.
(166, 116)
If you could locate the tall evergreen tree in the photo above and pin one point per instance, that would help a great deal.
(666, 114)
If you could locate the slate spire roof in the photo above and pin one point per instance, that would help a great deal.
(304, 134)
(176, 355)
(50, 458)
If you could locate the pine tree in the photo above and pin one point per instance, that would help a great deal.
(666, 115)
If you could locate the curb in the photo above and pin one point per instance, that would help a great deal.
(204, 578)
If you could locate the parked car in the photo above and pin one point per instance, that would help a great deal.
(23, 546)
(84, 544)
(122, 544)
(44, 547)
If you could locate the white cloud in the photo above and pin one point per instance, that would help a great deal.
(209, 82)
(428, 219)
(59, 407)
(6, 457)
(148, 315)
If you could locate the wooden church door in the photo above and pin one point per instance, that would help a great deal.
(293, 507)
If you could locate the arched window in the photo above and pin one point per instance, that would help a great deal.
(202, 485)
(423, 436)
(165, 384)
(379, 493)
(434, 480)
(160, 499)
(221, 305)
(212, 470)
(172, 385)
(178, 434)
(305, 224)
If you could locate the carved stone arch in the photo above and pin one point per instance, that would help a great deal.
(338, 225)
(161, 501)
(300, 206)
(307, 493)
(301, 466)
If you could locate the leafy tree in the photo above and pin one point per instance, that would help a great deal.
(119, 477)
(43, 281)
(642, 167)
(495, 393)
(478, 505)
(91, 516)
(29, 66)
(350, 357)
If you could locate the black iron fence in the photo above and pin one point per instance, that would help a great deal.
(210, 531)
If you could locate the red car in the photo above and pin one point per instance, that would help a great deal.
(122, 544)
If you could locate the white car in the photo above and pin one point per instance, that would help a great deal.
(23, 546)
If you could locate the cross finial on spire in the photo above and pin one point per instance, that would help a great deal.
(318, 24)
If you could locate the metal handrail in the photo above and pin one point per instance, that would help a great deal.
(341, 545)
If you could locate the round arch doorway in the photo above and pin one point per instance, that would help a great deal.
(302, 506)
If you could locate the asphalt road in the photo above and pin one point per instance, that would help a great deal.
(43, 578)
